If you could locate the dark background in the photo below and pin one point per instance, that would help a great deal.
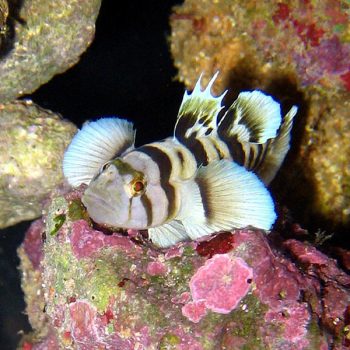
(128, 72)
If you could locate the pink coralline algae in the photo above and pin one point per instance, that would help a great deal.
(320, 47)
(83, 319)
(33, 243)
(292, 320)
(195, 310)
(221, 283)
(87, 241)
(239, 290)
(326, 59)
(155, 268)
(308, 40)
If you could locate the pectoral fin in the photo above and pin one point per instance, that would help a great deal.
(94, 145)
(226, 196)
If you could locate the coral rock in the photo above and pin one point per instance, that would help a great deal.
(229, 36)
(50, 39)
(109, 290)
(32, 143)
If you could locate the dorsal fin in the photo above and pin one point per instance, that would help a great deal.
(277, 149)
(94, 145)
(253, 117)
(198, 111)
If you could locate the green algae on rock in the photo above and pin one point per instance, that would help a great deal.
(51, 40)
(32, 143)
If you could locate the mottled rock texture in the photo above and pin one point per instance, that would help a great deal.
(89, 288)
(299, 52)
(49, 37)
(39, 39)
(32, 143)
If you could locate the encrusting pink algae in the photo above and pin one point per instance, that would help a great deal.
(221, 283)
(239, 290)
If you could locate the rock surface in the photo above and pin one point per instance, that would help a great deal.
(89, 288)
(32, 143)
(49, 38)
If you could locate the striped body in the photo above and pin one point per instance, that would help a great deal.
(178, 162)
(209, 176)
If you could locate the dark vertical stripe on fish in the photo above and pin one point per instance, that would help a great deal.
(219, 151)
(236, 150)
(205, 197)
(181, 158)
(185, 122)
(148, 207)
(165, 166)
(197, 149)
(252, 152)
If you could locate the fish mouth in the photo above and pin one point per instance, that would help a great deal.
(92, 202)
(94, 198)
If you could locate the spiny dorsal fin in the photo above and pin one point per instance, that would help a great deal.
(253, 117)
(230, 197)
(277, 149)
(198, 111)
(94, 145)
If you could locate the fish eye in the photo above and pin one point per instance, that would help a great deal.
(138, 187)
(105, 166)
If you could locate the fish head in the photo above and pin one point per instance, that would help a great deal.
(113, 197)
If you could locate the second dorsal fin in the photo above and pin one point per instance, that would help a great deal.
(253, 117)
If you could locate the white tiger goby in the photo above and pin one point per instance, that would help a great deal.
(209, 176)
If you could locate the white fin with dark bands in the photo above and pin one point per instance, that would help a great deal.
(190, 185)
(94, 145)
(168, 234)
(231, 197)
(253, 117)
(198, 111)
(277, 149)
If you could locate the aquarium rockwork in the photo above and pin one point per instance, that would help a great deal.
(175, 175)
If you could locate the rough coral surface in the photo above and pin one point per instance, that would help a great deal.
(314, 37)
(52, 39)
(112, 291)
(32, 143)
(299, 52)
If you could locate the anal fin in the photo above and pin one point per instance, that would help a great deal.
(168, 234)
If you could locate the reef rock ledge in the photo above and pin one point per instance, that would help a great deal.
(88, 289)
